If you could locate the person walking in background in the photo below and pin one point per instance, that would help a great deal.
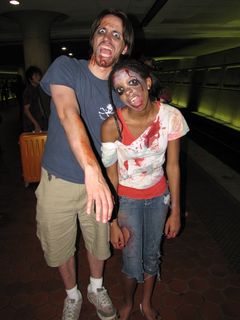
(72, 185)
(18, 88)
(35, 111)
(135, 142)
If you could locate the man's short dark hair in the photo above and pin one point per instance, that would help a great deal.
(31, 71)
(128, 33)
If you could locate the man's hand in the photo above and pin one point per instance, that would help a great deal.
(37, 128)
(99, 195)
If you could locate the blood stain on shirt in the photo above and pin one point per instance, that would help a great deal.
(152, 134)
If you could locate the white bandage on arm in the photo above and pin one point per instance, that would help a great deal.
(109, 153)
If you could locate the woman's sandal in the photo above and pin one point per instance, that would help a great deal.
(157, 315)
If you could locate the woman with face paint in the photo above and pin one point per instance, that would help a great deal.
(135, 141)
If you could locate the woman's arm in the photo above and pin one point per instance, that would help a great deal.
(116, 235)
(109, 134)
(173, 223)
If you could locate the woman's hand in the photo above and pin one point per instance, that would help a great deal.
(116, 236)
(172, 226)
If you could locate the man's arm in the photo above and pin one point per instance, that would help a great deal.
(29, 115)
(97, 189)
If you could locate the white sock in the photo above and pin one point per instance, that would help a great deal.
(73, 293)
(95, 283)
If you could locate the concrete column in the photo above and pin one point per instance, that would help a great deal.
(36, 26)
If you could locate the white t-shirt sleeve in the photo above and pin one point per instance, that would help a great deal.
(177, 125)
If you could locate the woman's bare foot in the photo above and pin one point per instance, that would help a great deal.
(125, 311)
(149, 313)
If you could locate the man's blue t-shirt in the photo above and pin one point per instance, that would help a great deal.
(93, 98)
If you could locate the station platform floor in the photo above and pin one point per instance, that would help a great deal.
(200, 271)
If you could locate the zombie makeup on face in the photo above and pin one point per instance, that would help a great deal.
(103, 31)
(108, 41)
(132, 88)
(127, 79)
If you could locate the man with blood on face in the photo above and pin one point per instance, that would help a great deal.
(135, 141)
(72, 187)
(108, 42)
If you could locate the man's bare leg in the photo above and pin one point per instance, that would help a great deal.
(96, 266)
(68, 273)
(73, 301)
(97, 294)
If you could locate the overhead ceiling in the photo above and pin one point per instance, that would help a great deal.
(164, 28)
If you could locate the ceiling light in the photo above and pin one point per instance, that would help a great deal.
(70, 54)
(14, 2)
(64, 48)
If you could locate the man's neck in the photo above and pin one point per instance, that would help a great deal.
(99, 72)
(34, 84)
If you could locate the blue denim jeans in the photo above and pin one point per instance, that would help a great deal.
(145, 219)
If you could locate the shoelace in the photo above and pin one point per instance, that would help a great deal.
(70, 307)
(104, 298)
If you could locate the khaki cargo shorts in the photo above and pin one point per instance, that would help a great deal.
(60, 204)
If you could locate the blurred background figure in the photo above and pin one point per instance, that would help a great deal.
(17, 88)
(35, 103)
(164, 94)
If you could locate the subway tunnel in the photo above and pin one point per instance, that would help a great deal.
(196, 52)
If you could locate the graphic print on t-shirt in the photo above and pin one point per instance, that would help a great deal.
(105, 112)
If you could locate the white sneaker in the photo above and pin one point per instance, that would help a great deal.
(102, 303)
(72, 308)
